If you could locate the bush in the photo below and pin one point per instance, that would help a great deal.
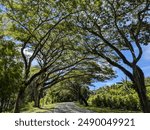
(116, 98)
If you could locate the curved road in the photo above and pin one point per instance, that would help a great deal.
(69, 107)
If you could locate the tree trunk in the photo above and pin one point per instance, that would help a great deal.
(19, 100)
(1, 106)
(140, 87)
(1, 109)
(84, 100)
(81, 98)
(8, 104)
(37, 99)
(143, 101)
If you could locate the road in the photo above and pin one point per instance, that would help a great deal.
(69, 107)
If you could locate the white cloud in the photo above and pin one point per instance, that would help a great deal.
(27, 52)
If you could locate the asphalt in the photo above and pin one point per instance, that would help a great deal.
(69, 107)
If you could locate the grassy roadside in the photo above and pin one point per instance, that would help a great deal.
(104, 110)
(30, 109)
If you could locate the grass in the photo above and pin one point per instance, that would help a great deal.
(30, 109)
(105, 110)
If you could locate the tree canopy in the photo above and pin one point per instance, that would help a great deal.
(72, 42)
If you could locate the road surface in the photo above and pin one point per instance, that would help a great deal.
(69, 107)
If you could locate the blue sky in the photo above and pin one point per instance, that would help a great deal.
(144, 63)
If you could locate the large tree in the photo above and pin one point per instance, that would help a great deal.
(33, 24)
(115, 30)
(111, 30)
(40, 28)
(69, 66)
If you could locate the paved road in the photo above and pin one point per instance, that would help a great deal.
(69, 107)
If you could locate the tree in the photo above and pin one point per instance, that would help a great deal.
(83, 77)
(10, 74)
(62, 55)
(115, 29)
(34, 24)
(109, 29)
(87, 69)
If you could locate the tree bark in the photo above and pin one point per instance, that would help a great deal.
(1, 106)
(143, 101)
(37, 99)
(38, 94)
(84, 100)
(19, 100)
(1, 109)
(140, 87)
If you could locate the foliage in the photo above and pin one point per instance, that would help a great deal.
(147, 81)
(10, 74)
(114, 30)
(116, 97)
(58, 94)
(40, 28)
(73, 43)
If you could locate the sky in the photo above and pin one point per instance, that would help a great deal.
(144, 63)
